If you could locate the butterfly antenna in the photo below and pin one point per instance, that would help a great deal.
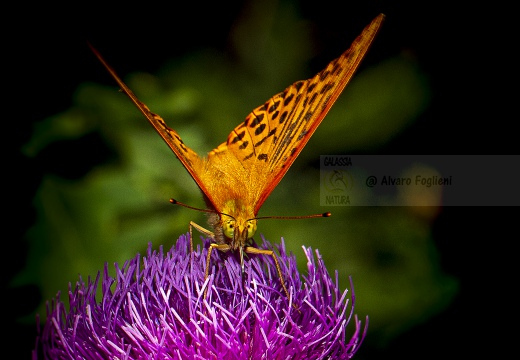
(327, 214)
(175, 202)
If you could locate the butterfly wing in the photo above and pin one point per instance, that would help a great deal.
(266, 144)
(189, 158)
(272, 135)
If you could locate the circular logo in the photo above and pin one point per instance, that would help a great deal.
(337, 181)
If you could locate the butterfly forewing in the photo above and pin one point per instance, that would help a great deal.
(189, 158)
(273, 134)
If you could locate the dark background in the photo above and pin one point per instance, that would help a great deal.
(466, 51)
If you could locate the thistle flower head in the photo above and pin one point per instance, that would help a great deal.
(155, 308)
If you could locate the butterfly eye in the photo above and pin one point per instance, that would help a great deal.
(251, 228)
(229, 228)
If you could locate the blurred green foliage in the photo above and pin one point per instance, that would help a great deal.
(118, 207)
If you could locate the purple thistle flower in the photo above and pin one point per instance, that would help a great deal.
(155, 309)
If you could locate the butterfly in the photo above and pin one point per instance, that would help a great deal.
(238, 176)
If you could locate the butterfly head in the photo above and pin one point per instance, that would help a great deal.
(237, 223)
(238, 231)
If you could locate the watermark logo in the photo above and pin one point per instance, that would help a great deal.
(336, 180)
(419, 180)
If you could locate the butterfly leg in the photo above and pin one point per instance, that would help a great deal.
(207, 233)
(199, 229)
(253, 250)
(221, 247)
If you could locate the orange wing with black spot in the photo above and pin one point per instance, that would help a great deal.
(272, 135)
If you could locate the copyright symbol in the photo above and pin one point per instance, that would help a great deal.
(371, 181)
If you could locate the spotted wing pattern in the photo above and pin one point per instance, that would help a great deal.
(273, 134)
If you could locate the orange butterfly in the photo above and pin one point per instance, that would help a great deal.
(238, 176)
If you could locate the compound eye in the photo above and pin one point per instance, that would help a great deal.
(229, 228)
(251, 228)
